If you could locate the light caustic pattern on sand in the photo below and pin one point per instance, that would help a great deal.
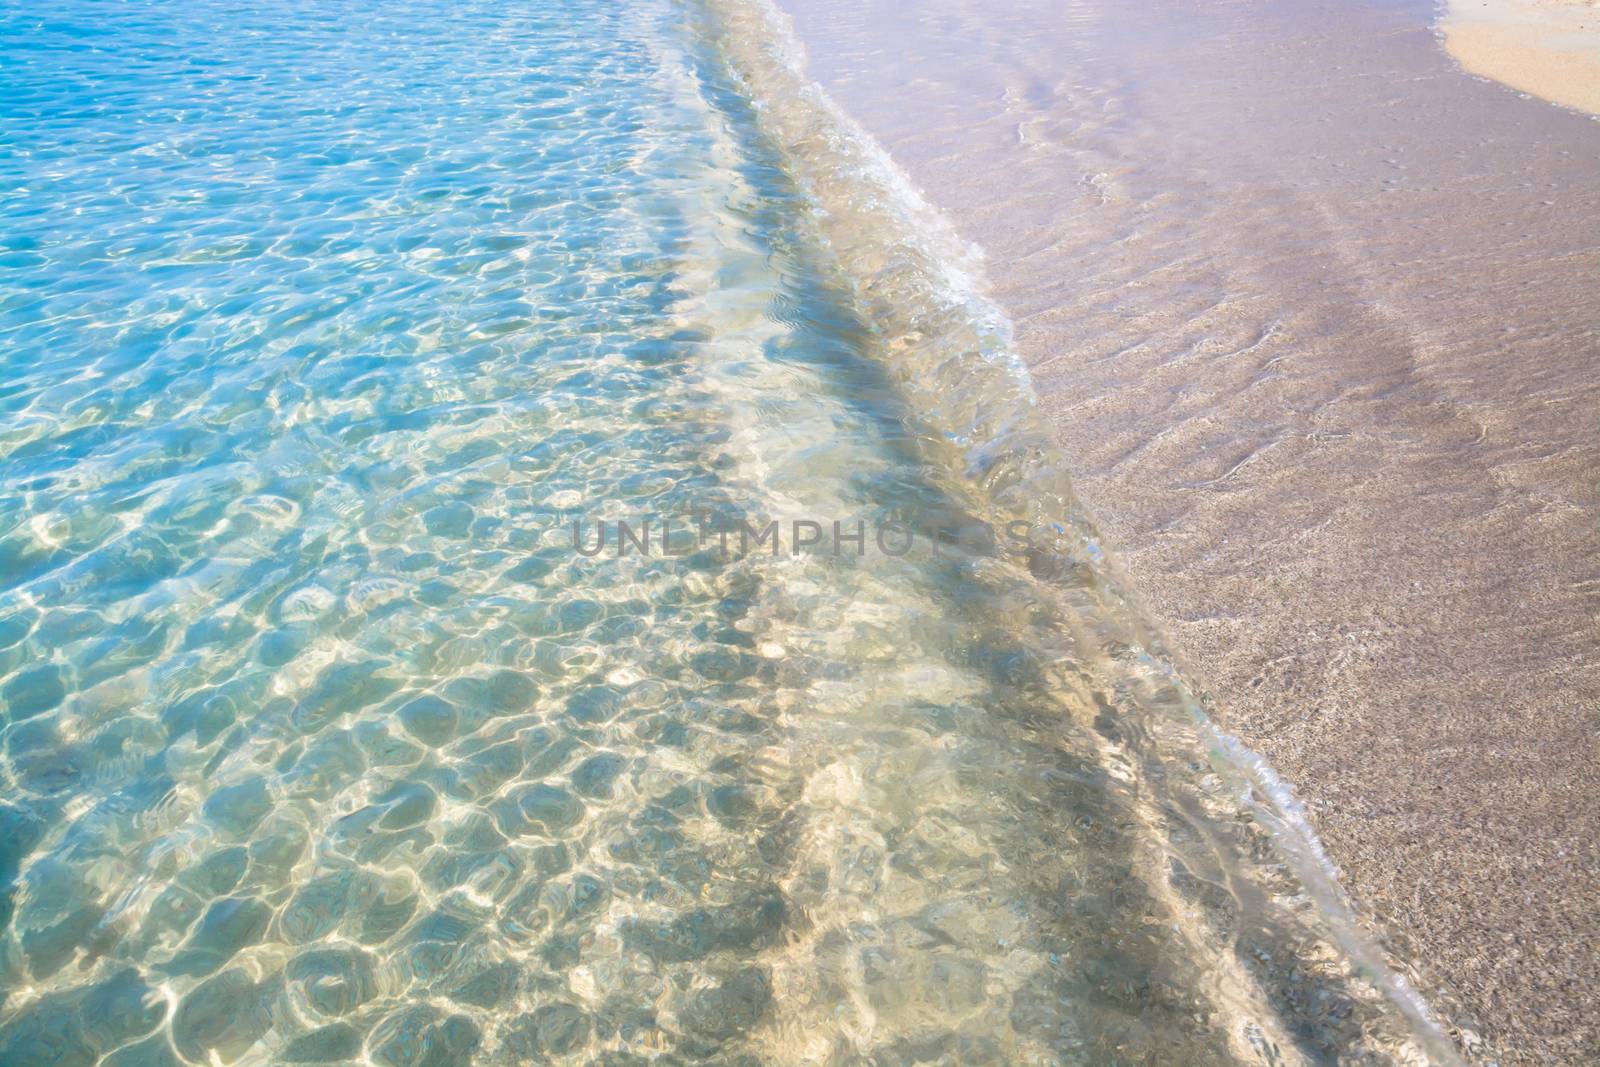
(319, 741)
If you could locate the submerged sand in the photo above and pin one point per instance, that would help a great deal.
(1550, 48)
(1316, 317)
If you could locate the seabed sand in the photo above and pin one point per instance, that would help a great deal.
(1550, 48)
(1316, 317)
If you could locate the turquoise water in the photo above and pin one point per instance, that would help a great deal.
(320, 325)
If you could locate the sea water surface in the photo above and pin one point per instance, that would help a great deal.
(321, 324)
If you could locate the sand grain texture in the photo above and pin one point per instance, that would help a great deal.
(1317, 320)
(1550, 48)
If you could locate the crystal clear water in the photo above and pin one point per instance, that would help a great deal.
(319, 741)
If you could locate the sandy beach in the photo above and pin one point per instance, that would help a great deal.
(1550, 48)
(1315, 316)
(328, 735)
(1203, 669)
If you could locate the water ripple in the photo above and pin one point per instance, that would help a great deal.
(318, 741)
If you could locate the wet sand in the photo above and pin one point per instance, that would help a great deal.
(1316, 317)
(1550, 48)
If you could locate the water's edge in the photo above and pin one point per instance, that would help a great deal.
(949, 349)
(1551, 51)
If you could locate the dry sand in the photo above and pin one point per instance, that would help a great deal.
(1317, 320)
(1550, 48)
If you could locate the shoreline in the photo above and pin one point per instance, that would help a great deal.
(335, 723)
(908, 267)
(1550, 48)
(1326, 430)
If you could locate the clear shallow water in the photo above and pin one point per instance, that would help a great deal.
(321, 743)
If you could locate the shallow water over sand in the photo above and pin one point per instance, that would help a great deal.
(320, 741)
(1315, 318)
